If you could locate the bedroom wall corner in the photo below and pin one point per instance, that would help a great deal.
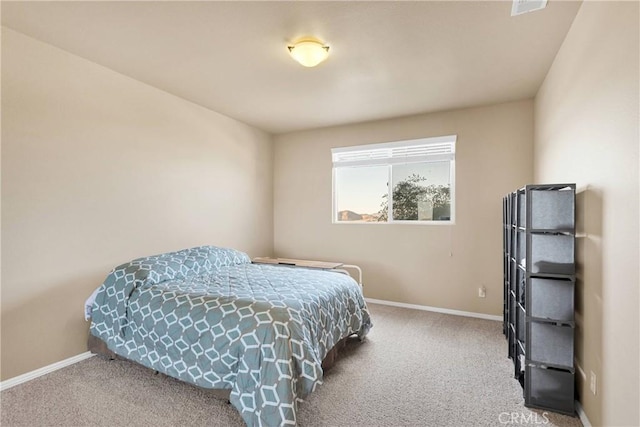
(97, 169)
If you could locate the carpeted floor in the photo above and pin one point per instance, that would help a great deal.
(416, 369)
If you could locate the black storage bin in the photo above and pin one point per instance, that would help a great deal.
(552, 254)
(552, 210)
(551, 344)
(552, 299)
(551, 388)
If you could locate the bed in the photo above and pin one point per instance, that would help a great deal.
(210, 317)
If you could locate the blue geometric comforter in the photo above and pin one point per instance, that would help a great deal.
(209, 317)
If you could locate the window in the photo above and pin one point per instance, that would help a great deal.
(400, 182)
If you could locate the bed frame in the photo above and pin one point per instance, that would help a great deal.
(98, 347)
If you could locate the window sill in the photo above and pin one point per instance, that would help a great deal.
(377, 223)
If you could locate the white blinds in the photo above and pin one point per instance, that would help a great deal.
(411, 151)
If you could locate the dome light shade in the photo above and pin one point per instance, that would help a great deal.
(309, 52)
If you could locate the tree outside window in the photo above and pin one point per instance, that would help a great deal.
(415, 202)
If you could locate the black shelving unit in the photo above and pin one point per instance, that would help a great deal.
(539, 292)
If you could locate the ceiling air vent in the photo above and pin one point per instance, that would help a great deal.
(523, 6)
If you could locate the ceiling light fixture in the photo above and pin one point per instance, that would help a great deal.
(309, 52)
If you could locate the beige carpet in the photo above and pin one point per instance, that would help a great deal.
(416, 369)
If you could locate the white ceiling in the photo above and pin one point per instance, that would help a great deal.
(387, 59)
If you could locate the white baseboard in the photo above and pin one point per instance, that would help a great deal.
(11, 382)
(435, 309)
(582, 415)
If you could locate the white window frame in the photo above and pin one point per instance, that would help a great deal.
(423, 150)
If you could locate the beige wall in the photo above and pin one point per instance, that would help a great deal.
(98, 168)
(586, 131)
(411, 263)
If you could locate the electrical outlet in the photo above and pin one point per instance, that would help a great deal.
(592, 382)
(482, 292)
